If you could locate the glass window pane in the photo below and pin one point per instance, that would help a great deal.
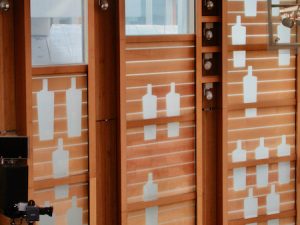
(57, 31)
(156, 17)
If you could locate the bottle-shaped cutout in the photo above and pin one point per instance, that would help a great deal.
(262, 171)
(250, 205)
(74, 109)
(275, 10)
(238, 33)
(251, 112)
(149, 132)
(250, 7)
(45, 106)
(152, 215)
(284, 57)
(273, 202)
(284, 34)
(60, 161)
(173, 102)
(273, 222)
(284, 172)
(283, 149)
(74, 214)
(150, 189)
(61, 191)
(173, 130)
(239, 174)
(239, 59)
(45, 219)
(149, 104)
(250, 87)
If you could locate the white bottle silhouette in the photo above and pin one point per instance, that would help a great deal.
(150, 194)
(239, 174)
(250, 7)
(284, 168)
(284, 34)
(250, 87)
(273, 202)
(74, 214)
(273, 222)
(173, 102)
(262, 171)
(150, 189)
(239, 59)
(149, 104)
(250, 205)
(45, 219)
(149, 132)
(60, 161)
(284, 57)
(238, 33)
(45, 105)
(275, 11)
(74, 109)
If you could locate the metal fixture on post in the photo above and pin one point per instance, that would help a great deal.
(208, 91)
(289, 14)
(209, 4)
(104, 4)
(4, 5)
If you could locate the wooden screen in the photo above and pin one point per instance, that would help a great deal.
(160, 148)
(51, 184)
(259, 120)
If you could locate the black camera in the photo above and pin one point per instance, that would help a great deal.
(29, 211)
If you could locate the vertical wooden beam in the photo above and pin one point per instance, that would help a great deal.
(224, 168)
(199, 106)
(92, 7)
(122, 114)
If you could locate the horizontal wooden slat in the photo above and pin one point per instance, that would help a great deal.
(160, 38)
(161, 202)
(59, 70)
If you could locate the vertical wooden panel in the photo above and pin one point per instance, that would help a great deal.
(7, 76)
(107, 207)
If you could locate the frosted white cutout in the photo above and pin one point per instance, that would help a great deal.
(251, 112)
(45, 219)
(61, 192)
(252, 224)
(262, 175)
(74, 215)
(284, 172)
(74, 109)
(284, 34)
(173, 102)
(273, 202)
(239, 174)
(238, 33)
(250, 205)
(250, 7)
(239, 59)
(239, 179)
(284, 57)
(283, 149)
(250, 87)
(60, 161)
(275, 11)
(173, 129)
(261, 152)
(149, 132)
(149, 104)
(150, 189)
(273, 222)
(45, 104)
(239, 154)
(152, 216)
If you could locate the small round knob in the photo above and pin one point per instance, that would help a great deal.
(104, 6)
(210, 5)
(209, 95)
(208, 65)
(4, 5)
(209, 35)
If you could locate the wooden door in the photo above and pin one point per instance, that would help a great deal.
(264, 119)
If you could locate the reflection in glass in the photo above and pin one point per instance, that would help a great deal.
(57, 32)
(154, 17)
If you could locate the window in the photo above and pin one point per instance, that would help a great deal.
(156, 17)
(57, 31)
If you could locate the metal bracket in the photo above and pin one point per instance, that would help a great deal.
(104, 4)
(4, 5)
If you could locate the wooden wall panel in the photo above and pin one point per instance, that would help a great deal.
(264, 117)
(171, 160)
(7, 75)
